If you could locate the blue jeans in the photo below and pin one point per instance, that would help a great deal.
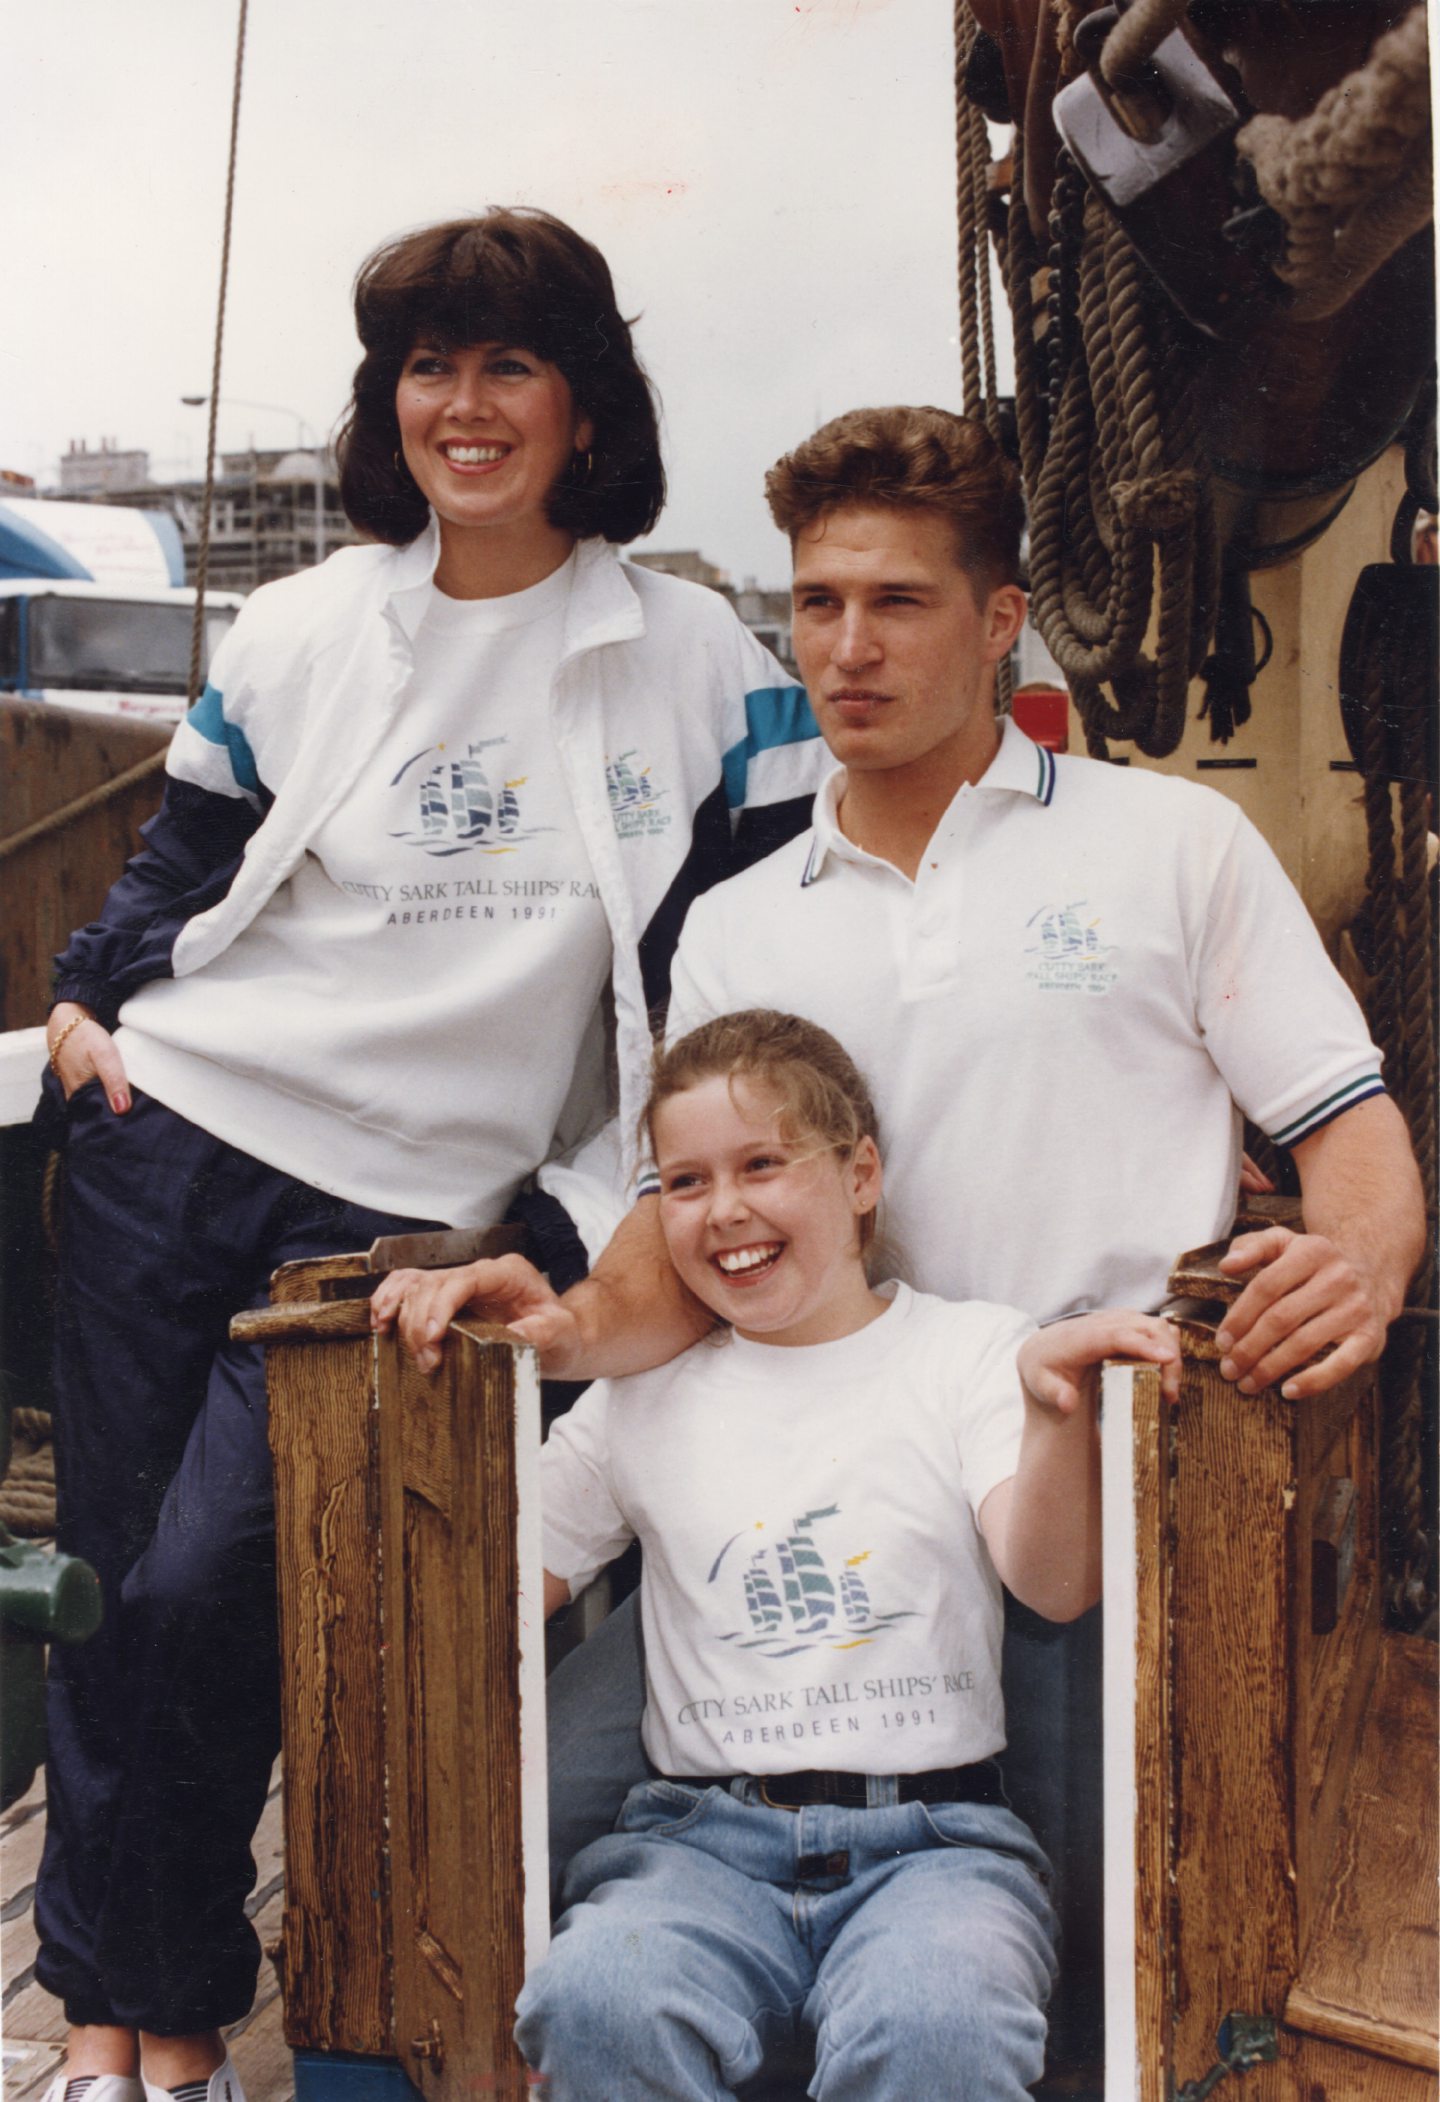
(594, 1701)
(1051, 1765)
(914, 1942)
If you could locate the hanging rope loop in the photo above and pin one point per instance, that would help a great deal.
(1136, 37)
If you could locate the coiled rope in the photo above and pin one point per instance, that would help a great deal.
(1120, 516)
(1121, 519)
(1107, 442)
(27, 1494)
(980, 390)
(1352, 180)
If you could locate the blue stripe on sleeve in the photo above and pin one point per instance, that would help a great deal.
(774, 715)
(207, 720)
(1326, 1112)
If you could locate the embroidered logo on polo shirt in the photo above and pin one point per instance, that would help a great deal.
(1068, 955)
(634, 798)
(794, 1598)
(459, 809)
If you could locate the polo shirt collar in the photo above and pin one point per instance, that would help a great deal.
(1019, 766)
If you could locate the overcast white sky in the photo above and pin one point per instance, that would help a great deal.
(772, 182)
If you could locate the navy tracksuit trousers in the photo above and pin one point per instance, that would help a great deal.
(164, 1726)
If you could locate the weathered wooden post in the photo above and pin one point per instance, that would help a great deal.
(411, 1631)
(1270, 1750)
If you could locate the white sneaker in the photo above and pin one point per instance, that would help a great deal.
(224, 2086)
(106, 2087)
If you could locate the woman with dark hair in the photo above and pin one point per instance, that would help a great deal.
(425, 842)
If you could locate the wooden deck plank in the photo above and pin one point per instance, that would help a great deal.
(29, 2069)
(33, 2016)
(1371, 1975)
(34, 2023)
(18, 1944)
(21, 1861)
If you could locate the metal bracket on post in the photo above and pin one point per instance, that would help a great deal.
(1243, 2040)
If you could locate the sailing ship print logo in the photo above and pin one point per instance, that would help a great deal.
(634, 798)
(459, 809)
(1067, 951)
(795, 1599)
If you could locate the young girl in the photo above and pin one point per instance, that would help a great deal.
(829, 1499)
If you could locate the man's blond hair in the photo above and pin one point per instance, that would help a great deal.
(911, 459)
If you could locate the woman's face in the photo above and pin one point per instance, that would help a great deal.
(486, 432)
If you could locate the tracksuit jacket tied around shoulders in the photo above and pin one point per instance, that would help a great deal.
(674, 727)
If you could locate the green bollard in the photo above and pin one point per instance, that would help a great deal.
(43, 1598)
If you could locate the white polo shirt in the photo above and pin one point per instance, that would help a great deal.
(1057, 1018)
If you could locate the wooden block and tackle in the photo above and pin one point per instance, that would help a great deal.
(412, 1656)
(1270, 1749)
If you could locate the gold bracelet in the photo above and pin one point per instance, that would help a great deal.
(55, 1049)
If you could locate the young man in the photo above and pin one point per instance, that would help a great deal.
(1060, 979)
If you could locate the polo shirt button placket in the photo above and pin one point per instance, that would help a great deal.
(934, 927)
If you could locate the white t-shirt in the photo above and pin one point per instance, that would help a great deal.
(816, 1591)
(403, 1021)
(1053, 1017)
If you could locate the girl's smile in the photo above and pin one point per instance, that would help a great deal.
(763, 1226)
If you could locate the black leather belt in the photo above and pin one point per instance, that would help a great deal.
(979, 1783)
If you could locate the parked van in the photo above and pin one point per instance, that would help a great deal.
(94, 610)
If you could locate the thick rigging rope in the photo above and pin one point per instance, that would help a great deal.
(1107, 441)
(1137, 36)
(1352, 180)
(202, 552)
(1118, 508)
(1121, 522)
(980, 393)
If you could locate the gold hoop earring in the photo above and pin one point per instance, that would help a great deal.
(589, 465)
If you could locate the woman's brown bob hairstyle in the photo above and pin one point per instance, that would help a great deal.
(524, 279)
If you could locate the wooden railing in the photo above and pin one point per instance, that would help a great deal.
(75, 788)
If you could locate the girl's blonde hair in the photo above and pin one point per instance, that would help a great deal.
(822, 1093)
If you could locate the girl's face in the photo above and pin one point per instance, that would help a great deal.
(762, 1226)
(487, 431)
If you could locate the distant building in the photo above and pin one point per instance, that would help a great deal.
(765, 613)
(272, 513)
(83, 473)
(685, 562)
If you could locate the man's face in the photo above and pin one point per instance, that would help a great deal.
(895, 649)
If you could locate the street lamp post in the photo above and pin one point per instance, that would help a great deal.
(304, 443)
